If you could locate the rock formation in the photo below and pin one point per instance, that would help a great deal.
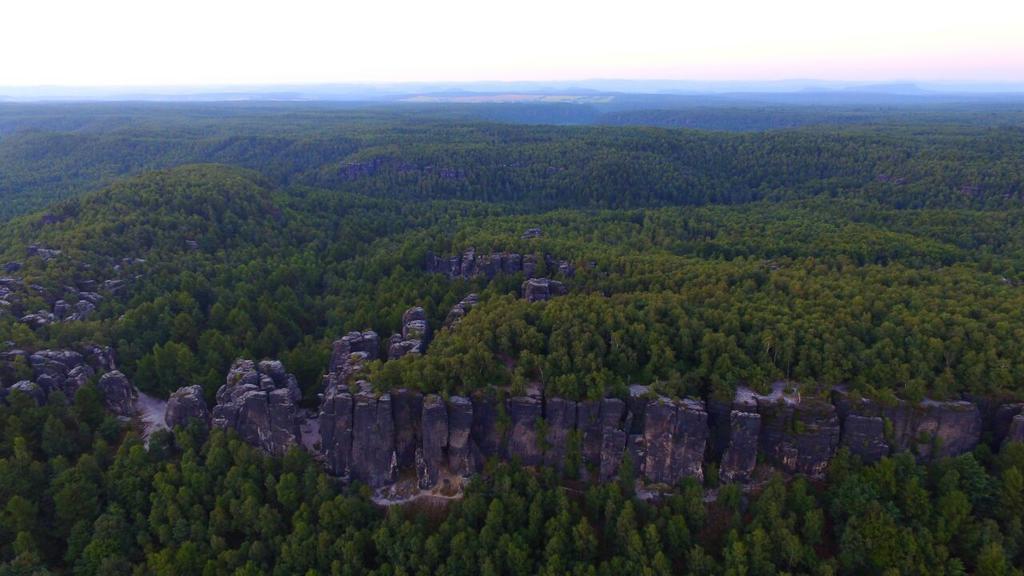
(798, 435)
(118, 393)
(373, 460)
(459, 310)
(560, 422)
(541, 289)
(460, 424)
(675, 437)
(524, 440)
(352, 348)
(435, 441)
(472, 265)
(413, 337)
(259, 402)
(186, 404)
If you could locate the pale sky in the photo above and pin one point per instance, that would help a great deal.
(191, 42)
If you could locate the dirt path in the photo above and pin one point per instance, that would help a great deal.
(150, 412)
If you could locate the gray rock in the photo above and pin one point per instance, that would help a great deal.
(435, 440)
(524, 444)
(1016, 430)
(374, 461)
(460, 423)
(407, 406)
(259, 403)
(865, 437)
(30, 389)
(186, 404)
(689, 440)
(367, 343)
(560, 418)
(659, 424)
(740, 455)
(336, 423)
(613, 446)
(541, 289)
(485, 437)
(459, 311)
(800, 436)
(118, 393)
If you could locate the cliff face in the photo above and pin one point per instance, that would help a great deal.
(374, 437)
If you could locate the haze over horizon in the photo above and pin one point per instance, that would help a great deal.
(114, 43)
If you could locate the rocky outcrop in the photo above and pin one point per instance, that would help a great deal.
(560, 422)
(740, 455)
(413, 337)
(53, 370)
(675, 437)
(486, 436)
(435, 441)
(460, 424)
(259, 402)
(613, 447)
(459, 310)
(541, 289)
(472, 265)
(336, 423)
(374, 460)
(799, 435)
(30, 389)
(353, 347)
(186, 405)
(408, 409)
(929, 429)
(1003, 416)
(118, 393)
(524, 440)
(1015, 433)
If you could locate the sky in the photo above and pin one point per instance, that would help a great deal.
(225, 42)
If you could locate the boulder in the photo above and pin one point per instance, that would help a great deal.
(186, 404)
(118, 393)
(30, 389)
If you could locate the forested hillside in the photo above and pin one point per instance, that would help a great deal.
(885, 261)
(411, 154)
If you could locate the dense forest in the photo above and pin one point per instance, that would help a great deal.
(884, 255)
(83, 498)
